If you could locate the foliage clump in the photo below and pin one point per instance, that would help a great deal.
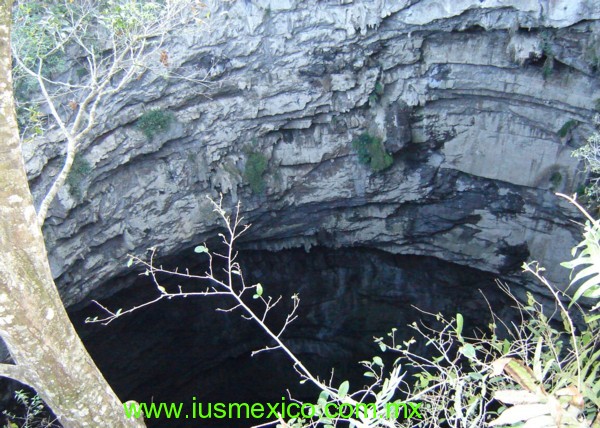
(256, 165)
(590, 154)
(556, 178)
(79, 170)
(35, 35)
(376, 94)
(154, 122)
(564, 130)
(547, 51)
(371, 152)
(30, 119)
(548, 67)
(592, 53)
(34, 413)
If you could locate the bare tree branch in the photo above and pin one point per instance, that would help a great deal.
(133, 34)
(17, 373)
(232, 284)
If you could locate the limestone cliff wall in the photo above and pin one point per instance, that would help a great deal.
(461, 91)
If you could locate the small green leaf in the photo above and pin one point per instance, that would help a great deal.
(118, 312)
(459, 324)
(129, 262)
(468, 350)
(591, 318)
(377, 360)
(200, 249)
(475, 375)
(323, 397)
(343, 389)
(259, 289)
(369, 374)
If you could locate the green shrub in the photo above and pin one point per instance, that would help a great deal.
(154, 122)
(562, 132)
(371, 152)
(34, 37)
(591, 53)
(81, 72)
(373, 100)
(32, 414)
(256, 165)
(548, 67)
(376, 94)
(79, 170)
(589, 153)
(30, 119)
(585, 268)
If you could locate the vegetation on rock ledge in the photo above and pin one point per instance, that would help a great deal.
(371, 152)
(256, 165)
(79, 170)
(154, 122)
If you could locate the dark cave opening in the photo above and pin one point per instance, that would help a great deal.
(185, 351)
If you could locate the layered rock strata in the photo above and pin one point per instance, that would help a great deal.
(471, 99)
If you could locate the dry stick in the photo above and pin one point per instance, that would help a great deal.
(572, 200)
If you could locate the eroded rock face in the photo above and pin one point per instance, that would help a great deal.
(461, 92)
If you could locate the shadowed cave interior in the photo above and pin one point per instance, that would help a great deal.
(176, 350)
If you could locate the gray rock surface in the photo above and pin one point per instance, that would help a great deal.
(455, 88)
